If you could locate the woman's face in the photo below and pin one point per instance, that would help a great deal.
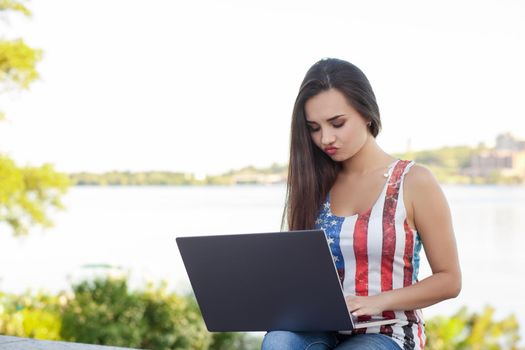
(334, 125)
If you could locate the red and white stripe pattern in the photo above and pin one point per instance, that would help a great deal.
(379, 252)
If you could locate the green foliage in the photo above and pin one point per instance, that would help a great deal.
(235, 340)
(103, 312)
(166, 178)
(13, 5)
(472, 331)
(26, 193)
(446, 157)
(498, 178)
(448, 163)
(126, 178)
(33, 316)
(17, 59)
(17, 64)
(172, 322)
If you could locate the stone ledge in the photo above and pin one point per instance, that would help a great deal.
(16, 343)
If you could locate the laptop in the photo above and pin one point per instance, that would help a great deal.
(267, 281)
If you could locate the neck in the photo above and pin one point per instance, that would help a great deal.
(368, 159)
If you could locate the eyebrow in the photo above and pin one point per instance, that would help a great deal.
(328, 120)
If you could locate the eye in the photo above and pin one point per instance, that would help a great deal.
(312, 129)
(338, 125)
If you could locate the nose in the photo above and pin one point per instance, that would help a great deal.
(327, 137)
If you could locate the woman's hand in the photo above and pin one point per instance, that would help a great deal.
(365, 306)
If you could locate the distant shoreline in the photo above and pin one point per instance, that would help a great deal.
(450, 165)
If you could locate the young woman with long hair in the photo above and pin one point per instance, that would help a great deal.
(377, 212)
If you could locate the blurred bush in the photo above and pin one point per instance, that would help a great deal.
(172, 322)
(473, 331)
(33, 316)
(105, 311)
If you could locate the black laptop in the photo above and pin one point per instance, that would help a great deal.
(267, 281)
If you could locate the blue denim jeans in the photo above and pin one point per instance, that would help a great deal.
(284, 340)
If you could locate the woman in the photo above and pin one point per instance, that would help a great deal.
(377, 211)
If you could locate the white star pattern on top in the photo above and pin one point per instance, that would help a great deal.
(331, 226)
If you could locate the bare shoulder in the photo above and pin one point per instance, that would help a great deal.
(420, 175)
(426, 203)
(421, 185)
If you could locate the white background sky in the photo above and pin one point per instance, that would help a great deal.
(206, 86)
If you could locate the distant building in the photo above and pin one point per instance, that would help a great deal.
(487, 163)
(507, 142)
(518, 165)
(506, 159)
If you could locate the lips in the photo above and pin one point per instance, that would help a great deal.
(330, 150)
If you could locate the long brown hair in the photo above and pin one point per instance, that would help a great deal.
(311, 173)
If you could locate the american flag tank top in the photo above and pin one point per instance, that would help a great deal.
(377, 251)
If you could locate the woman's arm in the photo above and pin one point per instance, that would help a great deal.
(428, 211)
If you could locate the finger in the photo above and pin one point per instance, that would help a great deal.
(350, 297)
(357, 312)
(352, 306)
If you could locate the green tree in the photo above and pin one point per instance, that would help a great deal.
(26, 193)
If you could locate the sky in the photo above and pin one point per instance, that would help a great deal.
(207, 86)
